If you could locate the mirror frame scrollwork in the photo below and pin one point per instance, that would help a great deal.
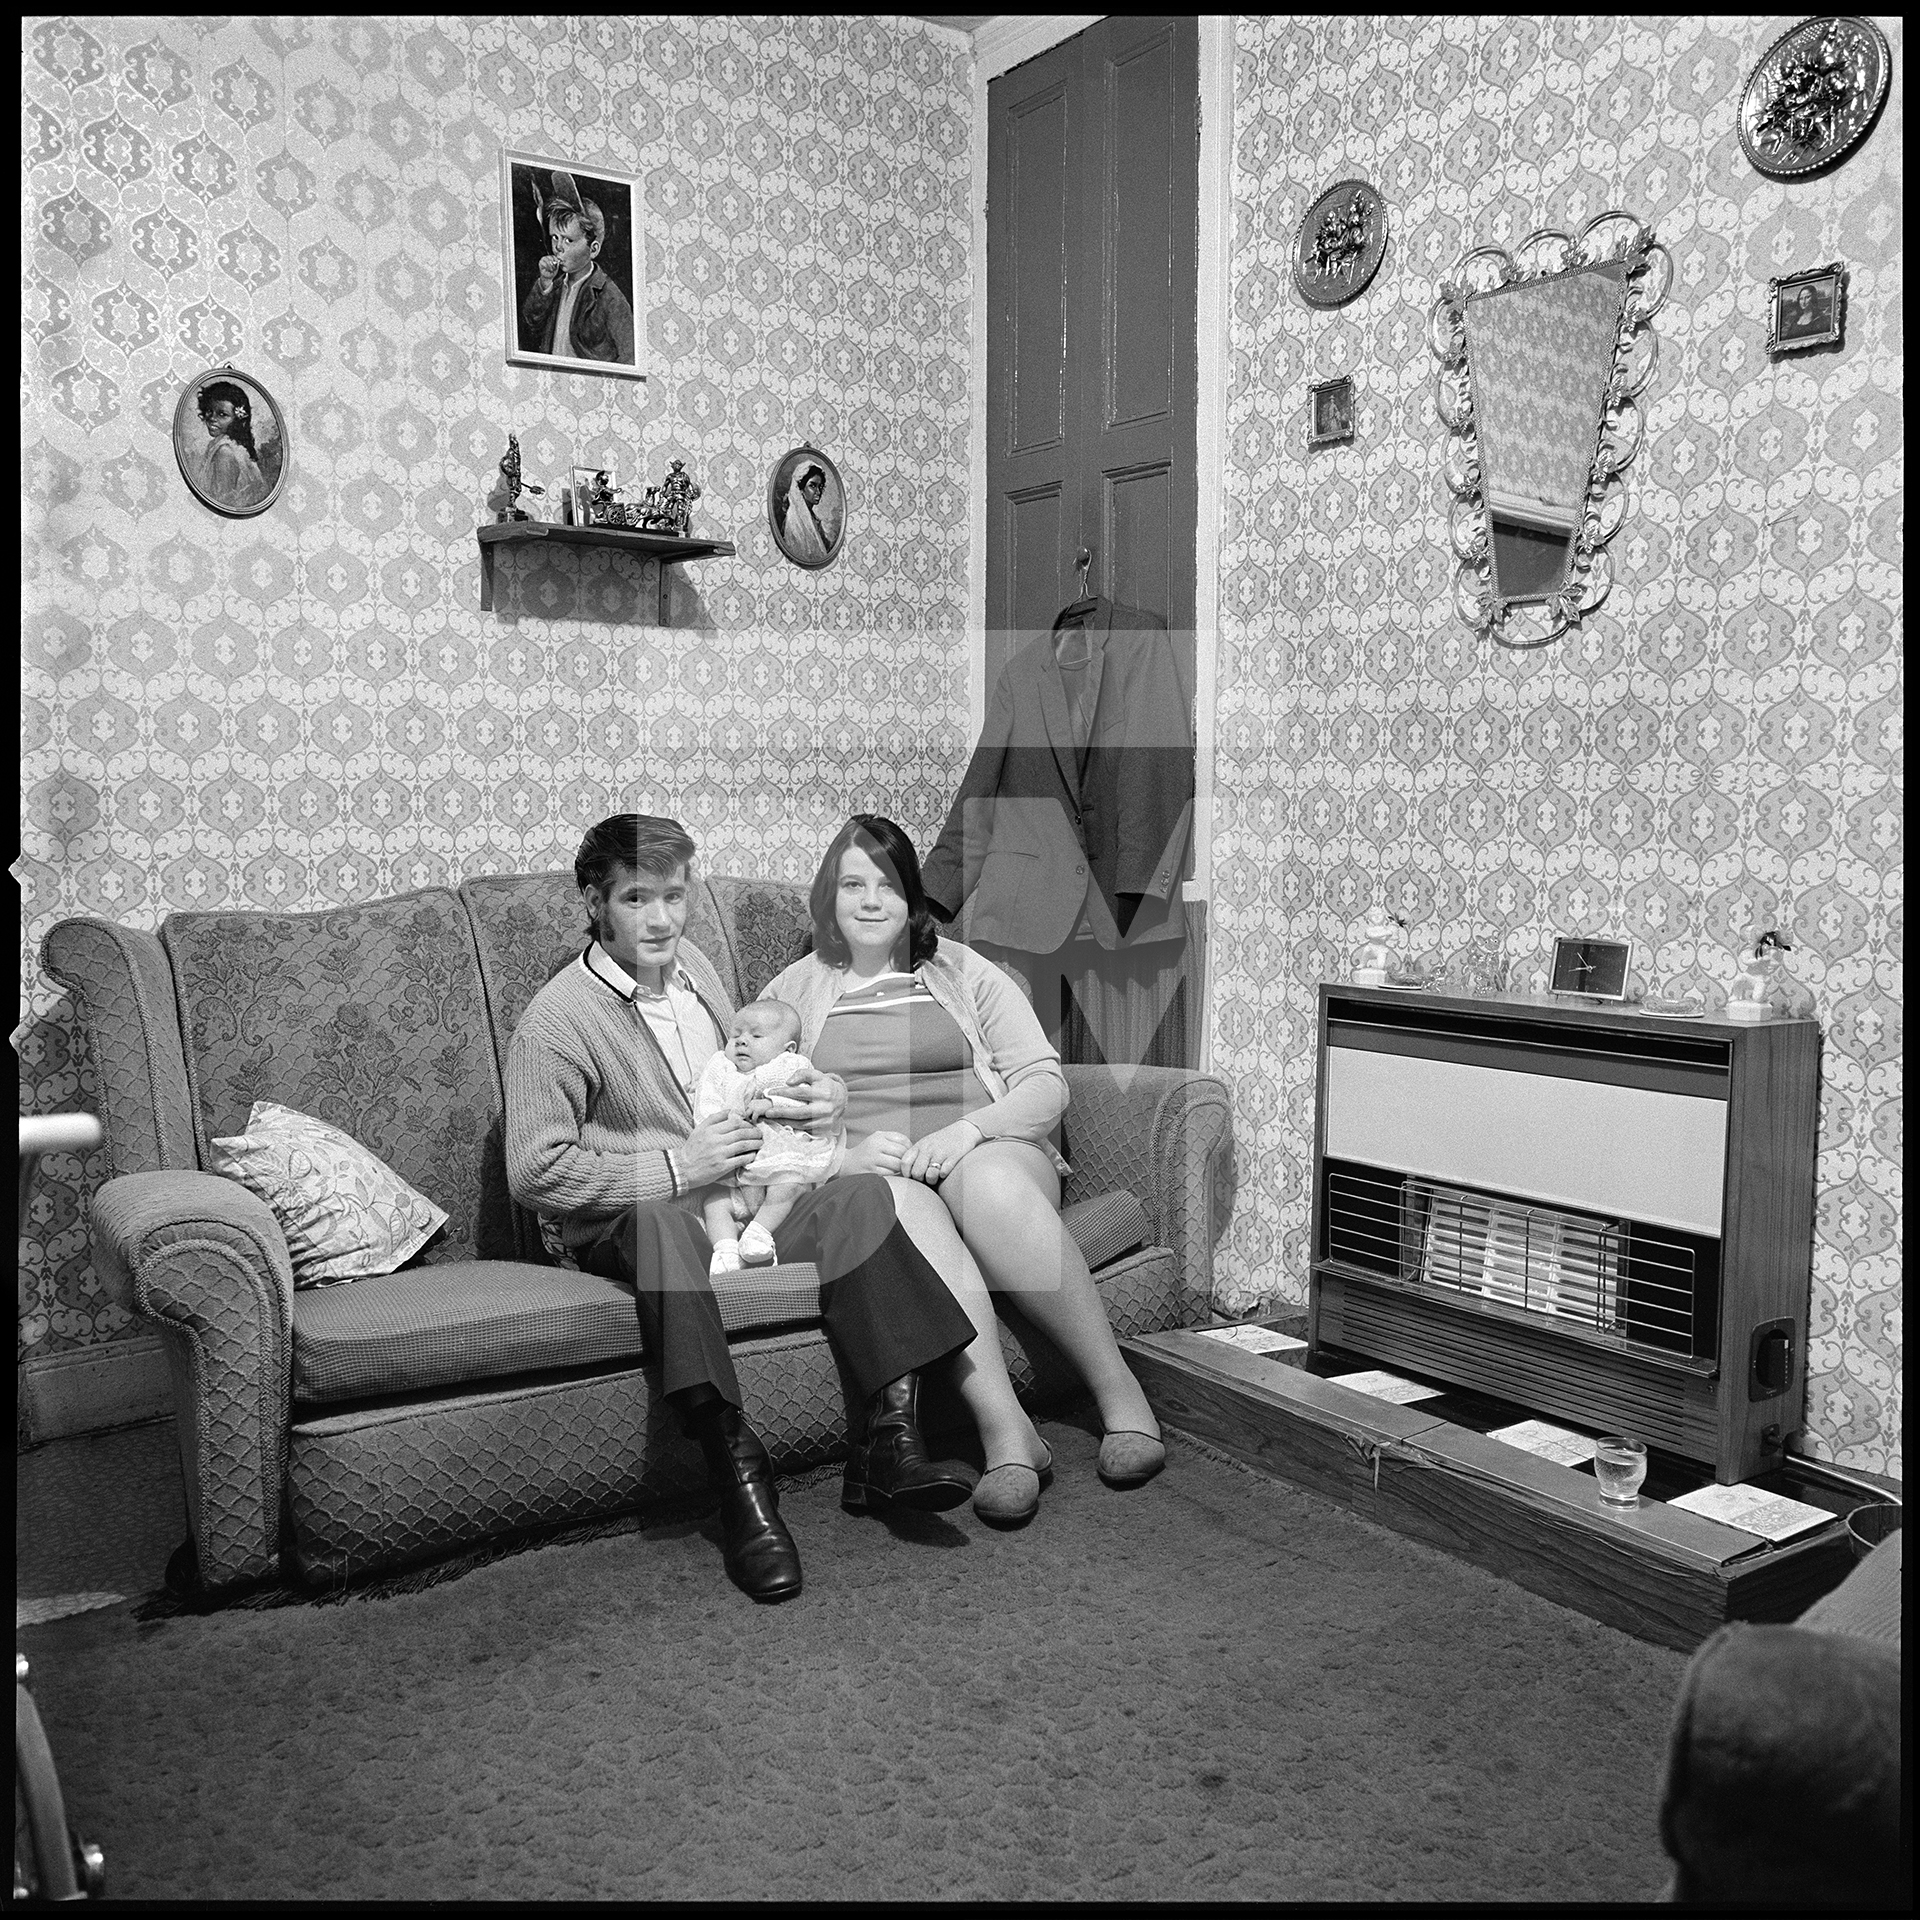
(1545, 252)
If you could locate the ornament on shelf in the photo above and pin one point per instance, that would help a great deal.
(1763, 989)
(1478, 971)
(1377, 960)
(671, 509)
(503, 501)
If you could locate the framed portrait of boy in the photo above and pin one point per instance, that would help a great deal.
(573, 265)
(231, 442)
(1807, 309)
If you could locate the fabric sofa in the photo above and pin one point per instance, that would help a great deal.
(326, 1433)
(1783, 1784)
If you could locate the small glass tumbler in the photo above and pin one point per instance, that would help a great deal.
(1620, 1464)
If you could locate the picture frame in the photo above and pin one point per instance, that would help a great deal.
(1807, 310)
(582, 486)
(230, 439)
(1330, 412)
(808, 516)
(1592, 969)
(548, 203)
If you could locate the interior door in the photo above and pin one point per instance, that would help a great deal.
(1092, 244)
(1092, 257)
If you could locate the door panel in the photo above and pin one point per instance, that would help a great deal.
(1139, 214)
(1136, 529)
(1037, 164)
(1033, 554)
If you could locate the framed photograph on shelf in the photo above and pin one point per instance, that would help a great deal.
(586, 488)
(1330, 412)
(1594, 969)
(231, 442)
(573, 265)
(807, 507)
(1807, 309)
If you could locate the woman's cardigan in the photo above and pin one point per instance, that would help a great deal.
(1016, 1065)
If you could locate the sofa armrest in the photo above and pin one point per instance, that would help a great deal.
(205, 1261)
(1161, 1133)
(1783, 1784)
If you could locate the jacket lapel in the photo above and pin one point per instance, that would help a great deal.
(1054, 714)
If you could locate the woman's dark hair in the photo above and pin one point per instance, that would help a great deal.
(888, 847)
(235, 397)
(643, 841)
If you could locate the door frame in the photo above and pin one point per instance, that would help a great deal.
(1004, 43)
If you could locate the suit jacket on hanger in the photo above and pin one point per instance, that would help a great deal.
(1052, 833)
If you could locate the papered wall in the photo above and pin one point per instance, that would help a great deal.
(1717, 752)
(309, 707)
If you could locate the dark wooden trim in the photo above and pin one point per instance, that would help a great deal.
(1658, 1572)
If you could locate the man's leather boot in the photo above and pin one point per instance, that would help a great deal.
(890, 1467)
(760, 1556)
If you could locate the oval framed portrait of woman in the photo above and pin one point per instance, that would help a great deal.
(807, 507)
(231, 441)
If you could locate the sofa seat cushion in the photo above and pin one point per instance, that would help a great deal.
(468, 1320)
(441, 1326)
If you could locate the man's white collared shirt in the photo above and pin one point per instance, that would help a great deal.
(681, 1024)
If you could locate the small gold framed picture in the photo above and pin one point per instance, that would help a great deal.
(1807, 309)
(1330, 412)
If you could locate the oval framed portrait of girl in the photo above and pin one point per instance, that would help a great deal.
(807, 507)
(231, 441)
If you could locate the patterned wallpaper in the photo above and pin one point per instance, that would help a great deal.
(1716, 752)
(309, 707)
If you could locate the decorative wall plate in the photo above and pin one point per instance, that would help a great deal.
(1340, 244)
(1814, 95)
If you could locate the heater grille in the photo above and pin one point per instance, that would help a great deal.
(1614, 1276)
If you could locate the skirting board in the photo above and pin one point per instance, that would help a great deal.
(91, 1389)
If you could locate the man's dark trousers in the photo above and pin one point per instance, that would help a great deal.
(885, 1310)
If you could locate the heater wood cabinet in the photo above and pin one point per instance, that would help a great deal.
(1602, 1215)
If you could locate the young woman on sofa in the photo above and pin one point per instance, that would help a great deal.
(952, 1091)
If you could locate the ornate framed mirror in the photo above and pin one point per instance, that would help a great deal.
(1543, 353)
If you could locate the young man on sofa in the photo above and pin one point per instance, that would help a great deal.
(600, 1139)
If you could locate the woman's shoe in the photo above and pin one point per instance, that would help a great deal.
(1045, 1467)
(1129, 1459)
(1007, 1496)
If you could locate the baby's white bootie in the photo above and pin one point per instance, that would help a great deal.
(756, 1247)
(726, 1257)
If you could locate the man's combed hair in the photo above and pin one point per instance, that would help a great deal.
(643, 841)
(888, 847)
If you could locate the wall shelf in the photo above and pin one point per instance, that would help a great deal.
(667, 548)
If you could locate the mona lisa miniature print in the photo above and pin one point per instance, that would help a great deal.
(231, 442)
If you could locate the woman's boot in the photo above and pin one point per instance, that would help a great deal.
(890, 1468)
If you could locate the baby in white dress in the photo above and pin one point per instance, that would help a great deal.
(761, 1054)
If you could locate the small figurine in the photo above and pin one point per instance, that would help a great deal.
(672, 511)
(1763, 989)
(1377, 959)
(503, 500)
(1477, 972)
